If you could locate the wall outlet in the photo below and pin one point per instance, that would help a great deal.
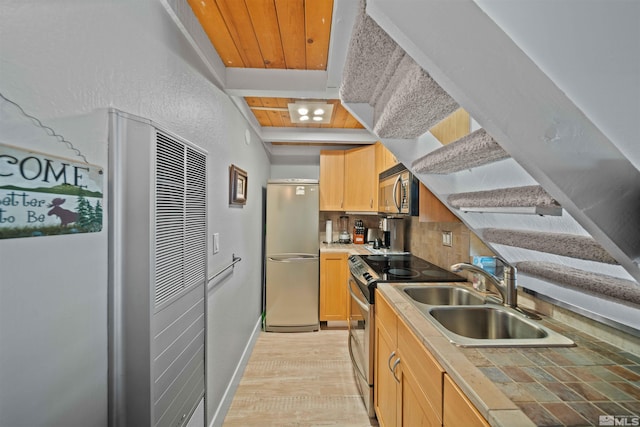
(447, 238)
(216, 243)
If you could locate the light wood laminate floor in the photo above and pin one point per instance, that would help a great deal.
(299, 379)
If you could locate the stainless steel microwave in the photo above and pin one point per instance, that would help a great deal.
(398, 193)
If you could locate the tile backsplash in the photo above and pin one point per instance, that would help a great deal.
(425, 241)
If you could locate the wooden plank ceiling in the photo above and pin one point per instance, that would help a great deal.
(276, 34)
(274, 112)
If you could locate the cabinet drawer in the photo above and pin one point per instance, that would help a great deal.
(427, 371)
(458, 410)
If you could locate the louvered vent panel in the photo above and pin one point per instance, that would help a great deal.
(195, 230)
(170, 218)
(160, 279)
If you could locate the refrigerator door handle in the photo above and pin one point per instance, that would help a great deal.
(293, 258)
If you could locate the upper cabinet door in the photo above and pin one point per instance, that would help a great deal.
(331, 180)
(361, 180)
(384, 158)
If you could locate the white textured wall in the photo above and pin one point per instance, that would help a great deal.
(295, 171)
(64, 62)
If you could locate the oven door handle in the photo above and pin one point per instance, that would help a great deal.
(353, 360)
(362, 305)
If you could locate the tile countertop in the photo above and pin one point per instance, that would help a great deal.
(535, 386)
(344, 247)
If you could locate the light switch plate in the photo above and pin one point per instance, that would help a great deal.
(447, 239)
(216, 243)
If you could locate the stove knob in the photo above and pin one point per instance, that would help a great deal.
(367, 276)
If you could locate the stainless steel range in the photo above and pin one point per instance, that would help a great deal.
(366, 272)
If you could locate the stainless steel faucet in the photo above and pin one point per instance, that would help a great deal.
(506, 288)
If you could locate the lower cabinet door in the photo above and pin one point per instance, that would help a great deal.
(458, 410)
(334, 273)
(421, 381)
(415, 410)
(386, 390)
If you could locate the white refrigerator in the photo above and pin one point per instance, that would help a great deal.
(292, 256)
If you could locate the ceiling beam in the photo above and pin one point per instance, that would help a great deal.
(314, 135)
(264, 82)
(299, 154)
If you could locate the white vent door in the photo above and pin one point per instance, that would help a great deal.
(178, 327)
(196, 219)
(170, 218)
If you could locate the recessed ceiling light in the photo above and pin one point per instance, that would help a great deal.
(299, 111)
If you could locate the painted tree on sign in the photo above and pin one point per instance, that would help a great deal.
(89, 218)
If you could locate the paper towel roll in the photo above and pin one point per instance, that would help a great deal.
(328, 231)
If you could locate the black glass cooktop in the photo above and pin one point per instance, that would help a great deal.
(369, 270)
(408, 268)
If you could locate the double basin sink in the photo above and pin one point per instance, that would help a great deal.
(467, 319)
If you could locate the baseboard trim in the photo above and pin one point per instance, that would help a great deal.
(225, 404)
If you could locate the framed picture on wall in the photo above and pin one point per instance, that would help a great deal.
(237, 186)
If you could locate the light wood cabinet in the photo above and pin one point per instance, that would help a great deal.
(349, 179)
(411, 388)
(385, 390)
(408, 389)
(384, 158)
(332, 180)
(432, 209)
(361, 181)
(421, 382)
(458, 410)
(334, 294)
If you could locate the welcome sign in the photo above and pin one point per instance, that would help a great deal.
(43, 195)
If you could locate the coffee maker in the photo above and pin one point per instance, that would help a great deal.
(393, 233)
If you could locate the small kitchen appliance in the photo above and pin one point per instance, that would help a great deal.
(345, 235)
(393, 233)
(372, 234)
(398, 192)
